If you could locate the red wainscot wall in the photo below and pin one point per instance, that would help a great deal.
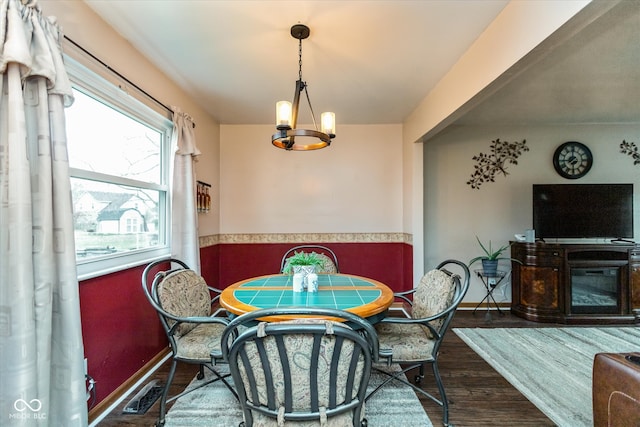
(121, 332)
(389, 263)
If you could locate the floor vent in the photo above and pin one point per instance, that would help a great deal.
(144, 399)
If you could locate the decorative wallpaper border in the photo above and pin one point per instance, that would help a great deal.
(301, 238)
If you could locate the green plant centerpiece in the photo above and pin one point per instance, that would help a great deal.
(491, 257)
(304, 262)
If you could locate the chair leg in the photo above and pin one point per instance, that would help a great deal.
(201, 372)
(443, 395)
(436, 373)
(418, 378)
(165, 394)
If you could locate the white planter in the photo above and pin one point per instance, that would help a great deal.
(302, 271)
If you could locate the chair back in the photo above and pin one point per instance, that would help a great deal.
(328, 257)
(176, 294)
(309, 369)
(441, 291)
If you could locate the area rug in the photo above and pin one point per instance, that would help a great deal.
(551, 367)
(214, 405)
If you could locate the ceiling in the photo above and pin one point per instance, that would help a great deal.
(593, 77)
(372, 62)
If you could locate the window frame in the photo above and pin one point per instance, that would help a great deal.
(89, 82)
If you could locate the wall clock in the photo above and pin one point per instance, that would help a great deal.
(572, 160)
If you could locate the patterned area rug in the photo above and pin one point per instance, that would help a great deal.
(213, 405)
(551, 366)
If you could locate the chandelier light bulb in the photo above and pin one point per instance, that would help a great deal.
(283, 115)
(328, 121)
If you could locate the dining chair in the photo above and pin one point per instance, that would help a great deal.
(329, 258)
(414, 341)
(183, 302)
(311, 370)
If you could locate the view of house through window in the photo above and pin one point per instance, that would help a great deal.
(119, 174)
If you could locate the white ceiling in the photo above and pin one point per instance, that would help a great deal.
(374, 61)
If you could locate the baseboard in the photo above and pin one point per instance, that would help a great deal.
(483, 306)
(106, 405)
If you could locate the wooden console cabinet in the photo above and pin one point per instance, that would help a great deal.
(542, 283)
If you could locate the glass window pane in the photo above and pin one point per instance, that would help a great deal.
(102, 139)
(112, 219)
(119, 157)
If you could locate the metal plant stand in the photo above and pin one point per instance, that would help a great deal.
(490, 282)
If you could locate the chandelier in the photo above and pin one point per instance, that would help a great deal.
(287, 135)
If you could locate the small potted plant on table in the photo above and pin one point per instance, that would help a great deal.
(302, 262)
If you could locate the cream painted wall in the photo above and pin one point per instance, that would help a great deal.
(83, 26)
(355, 185)
(413, 208)
(455, 214)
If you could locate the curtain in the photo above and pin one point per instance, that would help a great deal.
(184, 237)
(41, 350)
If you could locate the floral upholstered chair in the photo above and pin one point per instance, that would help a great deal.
(328, 257)
(183, 302)
(311, 371)
(414, 342)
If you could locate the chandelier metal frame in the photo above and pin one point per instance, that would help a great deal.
(286, 134)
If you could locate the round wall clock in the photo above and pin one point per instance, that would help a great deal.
(572, 160)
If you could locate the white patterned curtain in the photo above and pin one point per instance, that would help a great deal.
(184, 237)
(41, 352)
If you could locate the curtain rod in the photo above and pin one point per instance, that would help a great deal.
(108, 67)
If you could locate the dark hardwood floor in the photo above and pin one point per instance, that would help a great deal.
(478, 395)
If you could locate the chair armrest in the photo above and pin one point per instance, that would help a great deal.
(616, 389)
(386, 355)
(404, 296)
(200, 320)
(425, 321)
(214, 290)
(216, 357)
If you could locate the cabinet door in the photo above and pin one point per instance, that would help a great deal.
(539, 287)
(634, 285)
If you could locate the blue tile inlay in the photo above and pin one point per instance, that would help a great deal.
(327, 296)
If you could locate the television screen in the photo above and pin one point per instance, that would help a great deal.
(583, 211)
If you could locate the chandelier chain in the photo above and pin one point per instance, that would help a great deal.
(300, 59)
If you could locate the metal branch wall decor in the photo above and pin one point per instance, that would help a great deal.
(631, 149)
(501, 154)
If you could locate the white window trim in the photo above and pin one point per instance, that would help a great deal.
(83, 77)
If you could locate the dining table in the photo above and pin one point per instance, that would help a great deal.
(368, 298)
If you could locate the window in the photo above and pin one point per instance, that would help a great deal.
(119, 152)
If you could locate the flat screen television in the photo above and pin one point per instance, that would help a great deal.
(565, 211)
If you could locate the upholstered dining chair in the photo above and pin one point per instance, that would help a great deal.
(311, 370)
(414, 341)
(328, 257)
(183, 302)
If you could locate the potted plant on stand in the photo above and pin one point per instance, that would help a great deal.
(491, 257)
